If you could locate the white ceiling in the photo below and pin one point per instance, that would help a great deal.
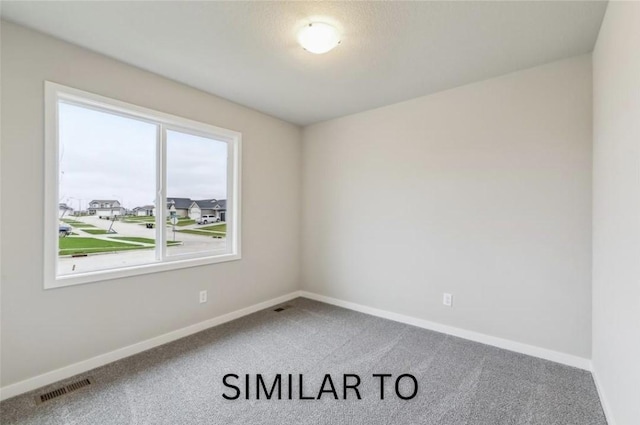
(390, 51)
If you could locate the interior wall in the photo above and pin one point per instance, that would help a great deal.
(483, 191)
(44, 330)
(616, 212)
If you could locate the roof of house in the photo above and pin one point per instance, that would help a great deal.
(211, 204)
(144, 207)
(203, 204)
(221, 204)
(104, 201)
(179, 203)
(64, 206)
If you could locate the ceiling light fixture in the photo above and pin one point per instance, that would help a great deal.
(318, 37)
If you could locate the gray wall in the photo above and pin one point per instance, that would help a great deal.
(483, 191)
(616, 212)
(45, 330)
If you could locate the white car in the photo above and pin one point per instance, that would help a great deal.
(206, 219)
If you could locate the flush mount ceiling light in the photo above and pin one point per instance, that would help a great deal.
(318, 37)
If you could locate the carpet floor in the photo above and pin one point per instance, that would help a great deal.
(459, 381)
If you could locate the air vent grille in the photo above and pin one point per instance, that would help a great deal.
(74, 386)
(78, 385)
(52, 394)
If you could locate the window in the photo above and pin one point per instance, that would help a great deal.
(130, 190)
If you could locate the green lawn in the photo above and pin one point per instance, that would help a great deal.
(95, 231)
(71, 246)
(142, 240)
(134, 239)
(201, 232)
(222, 227)
(76, 223)
(70, 221)
(139, 219)
(213, 230)
(185, 222)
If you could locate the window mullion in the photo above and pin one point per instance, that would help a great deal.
(161, 195)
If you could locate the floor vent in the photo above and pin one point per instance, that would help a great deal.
(77, 385)
(74, 386)
(283, 308)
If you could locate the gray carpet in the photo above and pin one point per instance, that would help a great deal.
(460, 382)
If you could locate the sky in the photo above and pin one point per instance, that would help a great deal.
(105, 156)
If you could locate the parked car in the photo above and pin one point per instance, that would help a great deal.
(64, 230)
(206, 219)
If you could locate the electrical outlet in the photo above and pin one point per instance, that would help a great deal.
(447, 299)
(203, 297)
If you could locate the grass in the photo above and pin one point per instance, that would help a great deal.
(71, 221)
(82, 245)
(140, 217)
(142, 240)
(134, 239)
(213, 230)
(76, 223)
(95, 231)
(222, 227)
(185, 222)
(201, 232)
(72, 246)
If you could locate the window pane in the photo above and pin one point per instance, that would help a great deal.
(196, 194)
(107, 167)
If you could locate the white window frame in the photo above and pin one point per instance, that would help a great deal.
(56, 92)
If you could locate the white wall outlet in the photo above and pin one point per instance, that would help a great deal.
(203, 297)
(447, 299)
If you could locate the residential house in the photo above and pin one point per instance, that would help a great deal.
(146, 210)
(105, 208)
(215, 207)
(181, 206)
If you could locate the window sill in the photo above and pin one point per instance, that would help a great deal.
(137, 270)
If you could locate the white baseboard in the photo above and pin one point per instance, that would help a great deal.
(606, 407)
(531, 350)
(94, 362)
